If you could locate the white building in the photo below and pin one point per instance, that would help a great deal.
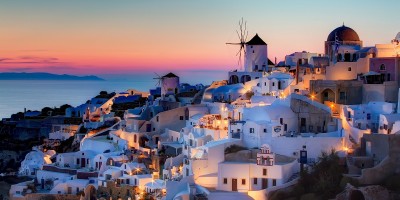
(249, 176)
(34, 161)
(386, 122)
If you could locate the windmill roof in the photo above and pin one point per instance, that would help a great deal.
(256, 40)
(270, 62)
(170, 75)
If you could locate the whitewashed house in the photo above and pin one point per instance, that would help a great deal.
(386, 122)
(248, 176)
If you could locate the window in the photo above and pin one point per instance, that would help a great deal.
(273, 83)
(255, 181)
(342, 95)
(339, 57)
(253, 51)
(77, 161)
(264, 172)
(382, 67)
(135, 138)
(154, 129)
(225, 181)
(281, 121)
(157, 118)
(243, 181)
(251, 130)
(349, 69)
(181, 117)
(385, 126)
(273, 182)
(265, 130)
(265, 83)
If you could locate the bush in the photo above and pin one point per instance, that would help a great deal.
(309, 196)
(324, 179)
(234, 148)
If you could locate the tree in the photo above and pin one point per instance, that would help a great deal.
(324, 177)
(64, 107)
(46, 111)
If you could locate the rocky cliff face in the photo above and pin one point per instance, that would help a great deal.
(373, 192)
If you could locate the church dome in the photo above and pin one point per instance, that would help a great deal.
(343, 33)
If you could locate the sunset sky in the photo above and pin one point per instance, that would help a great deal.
(119, 37)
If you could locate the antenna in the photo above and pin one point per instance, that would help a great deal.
(242, 34)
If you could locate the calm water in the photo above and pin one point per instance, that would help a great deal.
(16, 95)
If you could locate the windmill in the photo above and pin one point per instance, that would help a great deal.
(242, 34)
(160, 79)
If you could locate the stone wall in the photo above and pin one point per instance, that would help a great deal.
(117, 191)
(386, 168)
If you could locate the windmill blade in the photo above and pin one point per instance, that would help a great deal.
(242, 34)
(234, 43)
(159, 79)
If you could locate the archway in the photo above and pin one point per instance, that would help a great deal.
(328, 95)
(245, 78)
(90, 193)
(234, 79)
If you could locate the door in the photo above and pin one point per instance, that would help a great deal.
(69, 190)
(83, 162)
(234, 184)
(148, 127)
(264, 183)
(157, 140)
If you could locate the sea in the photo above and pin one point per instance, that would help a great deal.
(16, 95)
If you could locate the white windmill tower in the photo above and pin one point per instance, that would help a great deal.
(255, 51)
(169, 84)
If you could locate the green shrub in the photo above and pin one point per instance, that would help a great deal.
(234, 148)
